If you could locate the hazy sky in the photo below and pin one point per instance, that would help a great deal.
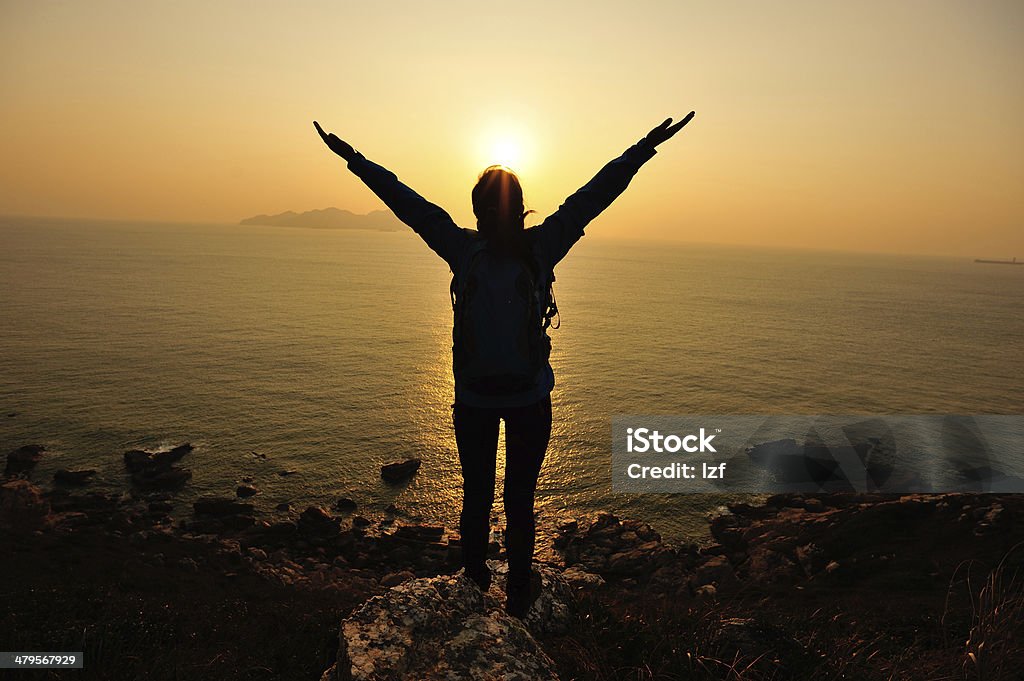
(855, 125)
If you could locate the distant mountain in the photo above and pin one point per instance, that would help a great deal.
(329, 218)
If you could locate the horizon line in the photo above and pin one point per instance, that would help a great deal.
(598, 237)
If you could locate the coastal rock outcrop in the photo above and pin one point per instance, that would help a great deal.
(402, 470)
(220, 506)
(551, 611)
(774, 571)
(138, 459)
(216, 515)
(246, 490)
(854, 538)
(607, 548)
(22, 507)
(81, 476)
(446, 628)
(23, 459)
(156, 470)
(316, 523)
(345, 505)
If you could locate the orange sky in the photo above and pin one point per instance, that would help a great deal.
(867, 126)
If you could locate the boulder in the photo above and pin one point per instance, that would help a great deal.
(156, 470)
(445, 628)
(245, 491)
(716, 570)
(581, 579)
(706, 593)
(419, 533)
(315, 522)
(613, 548)
(769, 566)
(95, 503)
(220, 506)
(76, 477)
(396, 578)
(267, 534)
(23, 459)
(22, 508)
(345, 504)
(155, 478)
(138, 459)
(402, 470)
(568, 526)
(551, 612)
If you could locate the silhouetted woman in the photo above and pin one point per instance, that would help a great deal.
(502, 274)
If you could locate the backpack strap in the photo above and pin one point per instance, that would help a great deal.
(550, 306)
(477, 247)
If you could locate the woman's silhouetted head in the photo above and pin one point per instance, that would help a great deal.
(498, 205)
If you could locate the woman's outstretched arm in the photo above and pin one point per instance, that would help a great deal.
(431, 222)
(564, 227)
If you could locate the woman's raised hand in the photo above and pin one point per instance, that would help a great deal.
(665, 130)
(335, 143)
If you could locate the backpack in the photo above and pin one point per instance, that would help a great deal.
(502, 311)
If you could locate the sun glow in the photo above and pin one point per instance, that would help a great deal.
(507, 151)
(503, 146)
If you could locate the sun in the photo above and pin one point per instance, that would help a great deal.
(506, 151)
(503, 145)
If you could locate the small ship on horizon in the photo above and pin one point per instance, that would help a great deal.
(1014, 261)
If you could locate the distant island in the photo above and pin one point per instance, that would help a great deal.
(329, 218)
(999, 262)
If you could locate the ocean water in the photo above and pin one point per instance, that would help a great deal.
(329, 352)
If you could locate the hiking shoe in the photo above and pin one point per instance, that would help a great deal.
(521, 595)
(482, 577)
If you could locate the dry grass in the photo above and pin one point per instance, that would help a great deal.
(777, 635)
(993, 650)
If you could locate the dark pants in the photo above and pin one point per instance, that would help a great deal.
(527, 431)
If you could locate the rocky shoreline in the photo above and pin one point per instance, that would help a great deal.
(772, 570)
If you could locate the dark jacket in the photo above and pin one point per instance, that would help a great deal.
(549, 241)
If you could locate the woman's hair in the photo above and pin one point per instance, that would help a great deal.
(498, 205)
